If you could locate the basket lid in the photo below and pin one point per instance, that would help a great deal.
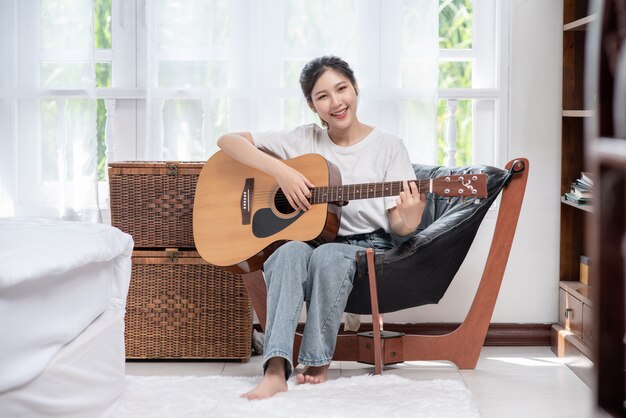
(171, 168)
(156, 164)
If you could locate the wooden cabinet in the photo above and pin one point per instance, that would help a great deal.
(572, 335)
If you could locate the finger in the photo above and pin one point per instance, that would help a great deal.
(308, 182)
(405, 187)
(302, 201)
(296, 201)
(306, 195)
(291, 202)
(300, 205)
(414, 190)
(407, 190)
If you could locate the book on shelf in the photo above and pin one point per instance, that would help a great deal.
(586, 178)
(575, 199)
(581, 190)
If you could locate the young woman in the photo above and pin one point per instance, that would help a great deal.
(322, 276)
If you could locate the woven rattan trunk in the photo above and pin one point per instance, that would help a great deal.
(179, 306)
(153, 201)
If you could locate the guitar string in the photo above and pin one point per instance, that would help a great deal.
(395, 189)
(352, 194)
(358, 188)
(314, 198)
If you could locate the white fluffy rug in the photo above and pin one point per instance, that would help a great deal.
(359, 396)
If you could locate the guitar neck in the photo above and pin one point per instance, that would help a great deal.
(349, 192)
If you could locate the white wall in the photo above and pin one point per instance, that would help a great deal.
(529, 292)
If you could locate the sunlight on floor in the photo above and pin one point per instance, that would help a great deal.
(531, 362)
(424, 364)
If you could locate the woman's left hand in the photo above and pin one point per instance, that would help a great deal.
(410, 205)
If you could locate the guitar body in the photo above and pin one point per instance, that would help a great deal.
(240, 216)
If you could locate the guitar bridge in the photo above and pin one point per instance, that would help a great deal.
(246, 201)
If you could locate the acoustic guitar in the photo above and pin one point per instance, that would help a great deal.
(240, 215)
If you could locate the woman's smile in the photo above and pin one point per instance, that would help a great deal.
(340, 114)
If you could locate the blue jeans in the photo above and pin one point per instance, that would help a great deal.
(320, 276)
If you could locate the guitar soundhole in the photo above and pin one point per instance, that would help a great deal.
(282, 204)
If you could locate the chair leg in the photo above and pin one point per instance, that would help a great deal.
(376, 317)
(255, 285)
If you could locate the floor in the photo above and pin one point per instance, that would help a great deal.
(507, 382)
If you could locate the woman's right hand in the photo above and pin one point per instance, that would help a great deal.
(294, 185)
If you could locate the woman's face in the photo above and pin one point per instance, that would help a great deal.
(334, 99)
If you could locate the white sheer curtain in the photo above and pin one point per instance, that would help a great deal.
(227, 65)
(48, 109)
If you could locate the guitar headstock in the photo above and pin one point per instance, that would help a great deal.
(462, 185)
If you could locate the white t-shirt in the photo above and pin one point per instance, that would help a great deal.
(378, 157)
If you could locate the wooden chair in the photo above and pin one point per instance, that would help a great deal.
(461, 346)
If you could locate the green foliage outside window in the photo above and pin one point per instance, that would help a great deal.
(102, 40)
(102, 24)
(455, 24)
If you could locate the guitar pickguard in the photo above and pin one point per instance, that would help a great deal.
(265, 223)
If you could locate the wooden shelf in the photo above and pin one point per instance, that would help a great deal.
(578, 113)
(586, 208)
(575, 114)
(580, 24)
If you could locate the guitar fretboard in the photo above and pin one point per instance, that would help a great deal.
(362, 191)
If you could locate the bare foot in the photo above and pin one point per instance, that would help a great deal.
(272, 383)
(268, 387)
(313, 374)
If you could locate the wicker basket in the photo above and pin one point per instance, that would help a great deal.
(153, 201)
(179, 306)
